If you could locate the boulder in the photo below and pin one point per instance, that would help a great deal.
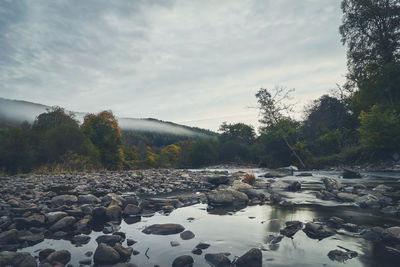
(350, 174)
(331, 184)
(391, 236)
(113, 212)
(110, 240)
(124, 253)
(80, 240)
(99, 214)
(368, 201)
(227, 197)
(88, 199)
(53, 217)
(64, 200)
(203, 246)
(62, 224)
(218, 259)
(183, 261)
(341, 256)
(20, 259)
(9, 236)
(131, 210)
(295, 186)
(164, 229)
(43, 254)
(318, 231)
(217, 179)
(186, 235)
(105, 254)
(276, 174)
(31, 239)
(252, 258)
(346, 197)
(373, 234)
(61, 256)
(291, 228)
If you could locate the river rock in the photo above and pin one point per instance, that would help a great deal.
(203, 246)
(295, 186)
(9, 236)
(276, 174)
(114, 211)
(341, 256)
(99, 214)
(53, 217)
(391, 236)
(373, 234)
(318, 231)
(217, 179)
(218, 259)
(62, 224)
(64, 200)
(346, 197)
(131, 210)
(20, 259)
(183, 261)
(61, 256)
(130, 242)
(31, 239)
(291, 228)
(368, 201)
(331, 184)
(124, 264)
(252, 258)
(226, 197)
(105, 254)
(164, 229)
(44, 253)
(84, 225)
(350, 174)
(186, 235)
(88, 199)
(80, 240)
(110, 240)
(125, 253)
(351, 227)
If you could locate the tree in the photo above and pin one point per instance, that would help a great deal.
(53, 118)
(275, 111)
(169, 155)
(103, 130)
(371, 30)
(239, 132)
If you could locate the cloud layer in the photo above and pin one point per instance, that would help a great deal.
(192, 62)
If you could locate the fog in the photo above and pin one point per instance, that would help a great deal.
(16, 112)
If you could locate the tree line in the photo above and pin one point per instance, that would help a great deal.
(358, 122)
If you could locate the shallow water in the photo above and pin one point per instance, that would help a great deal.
(236, 232)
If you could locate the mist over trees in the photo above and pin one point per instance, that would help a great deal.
(359, 122)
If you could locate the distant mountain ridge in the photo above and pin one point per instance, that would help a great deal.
(14, 112)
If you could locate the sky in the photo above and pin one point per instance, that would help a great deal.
(194, 62)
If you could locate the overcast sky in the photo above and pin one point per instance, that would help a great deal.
(196, 62)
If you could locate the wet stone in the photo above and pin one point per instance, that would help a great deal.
(183, 261)
(187, 235)
(164, 229)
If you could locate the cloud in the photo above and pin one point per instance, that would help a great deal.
(173, 60)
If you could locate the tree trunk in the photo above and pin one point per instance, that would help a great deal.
(294, 152)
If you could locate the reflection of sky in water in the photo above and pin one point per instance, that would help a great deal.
(235, 233)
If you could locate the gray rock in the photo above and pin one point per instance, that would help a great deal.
(183, 261)
(203, 246)
(186, 235)
(62, 224)
(130, 242)
(276, 174)
(346, 197)
(20, 259)
(43, 254)
(373, 234)
(226, 197)
(218, 259)
(174, 243)
(318, 231)
(164, 229)
(218, 179)
(9, 236)
(295, 186)
(80, 240)
(131, 210)
(110, 240)
(64, 200)
(53, 217)
(368, 201)
(291, 228)
(105, 254)
(99, 214)
(124, 253)
(350, 227)
(88, 199)
(114, 212)
(252, 258)
(62, 256)
(350, 174)
(331, 184)
(32, 239)
(341, 256)
(391, 236)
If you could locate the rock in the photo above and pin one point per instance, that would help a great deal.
(85, 261)
(276, 174)
(64, 223)
(64, 200)
(218, 179)
(391, 210)
(131, 210)
(335, 222)
(35, 220)
(183, 261)
(164, 229)
(113, 211)
(186, 235)
(304, 174)
(32, 239)
(61, 256)
(99, 214)
(84, 225)
(43, 254)
(331, 184)
(125, 253)
(350, 174)
(341, 256)
(203, 246)
(346, 197)
(130, 242)
(391, 236)
(105, 254)
(291, 228)
(252, 258)
(350, 227)
(20, 259)
(125, 265)
(325, 195)
(174, 243)
(53, 217)
(218, 259)
(226, 197)
(80, 240)
(368, 201)
(110, 240)
(373, 234)
(318, 231)
(88, 199)
(295, 186)
(197, 251)
(9, 236)
(122, 235)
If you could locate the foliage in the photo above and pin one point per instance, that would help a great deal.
(380, 129)
(103, 131)
(169, 156)
(249, 178)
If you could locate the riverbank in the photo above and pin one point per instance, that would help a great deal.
(88, 210)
